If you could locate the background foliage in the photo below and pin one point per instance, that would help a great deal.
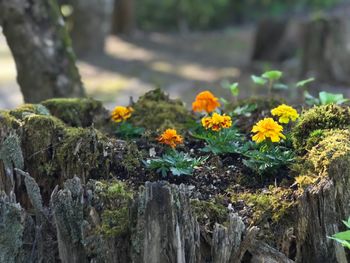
(209, 14)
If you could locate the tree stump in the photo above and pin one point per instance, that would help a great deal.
(73, 207)
(275, 40)
(325, 49)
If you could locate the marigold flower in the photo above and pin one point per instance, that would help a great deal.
(205, 101)
(217, 122)
(285, 113)
(121, 113)
(170, 137)
(267, 128)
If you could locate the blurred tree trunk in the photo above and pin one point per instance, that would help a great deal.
(123, 17)
(91, 24)
(325, 49)
(41, 48)
(275, 40)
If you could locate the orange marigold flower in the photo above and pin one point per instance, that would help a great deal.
(267, 128)
(205, 101)
(121, 113)
(170, 137)
(217, 122)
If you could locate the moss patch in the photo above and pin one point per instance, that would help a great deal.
(209, 213)
(266, 204)
(27, 109)
(77, 112)
(319, 118)
(85, 153)
(155, 110)
(336, 144)
(115, 198)
(8, 124)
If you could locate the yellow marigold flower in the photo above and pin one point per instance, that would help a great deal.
(170, 137)
(285, 113)
(217, 122)
(267, 128)
(205, 101)
(121, 113)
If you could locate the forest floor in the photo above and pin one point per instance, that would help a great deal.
(180, 64)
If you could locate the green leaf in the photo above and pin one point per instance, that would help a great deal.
(310, 100)
(304, 82)
(234, 89)
(224, 101)
(280, 86)
(329, 98)
(272, 75)
(259, 80)
(347, 223)
(342, 235)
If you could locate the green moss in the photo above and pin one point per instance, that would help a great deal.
(116, 199)
(26, 109)
(132, 158)
(41, 134)
(83, 152)
(274, 203)
(155, 110)
(334, 145)
(8, 124)
(76, 112)
(319, 118)
(209, 212)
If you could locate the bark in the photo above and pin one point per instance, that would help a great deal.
(91, 24)
(41, 48)
(325, 50)
(123, 21)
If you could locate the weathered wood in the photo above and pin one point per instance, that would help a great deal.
(41, 48)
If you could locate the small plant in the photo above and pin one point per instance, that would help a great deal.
(269, 79)
(343, 237)
(325, 98)
(234, 89)
(224, 141)
(219, 135)
(178, 163)
(125, 130)
(268, 159)
(267, 156)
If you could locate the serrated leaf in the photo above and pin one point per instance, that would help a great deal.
(258, 80)
(272, 75)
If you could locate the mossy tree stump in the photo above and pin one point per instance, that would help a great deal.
(70, 206)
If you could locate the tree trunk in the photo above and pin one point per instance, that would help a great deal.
(41, 48)
(276, 40)
(123, 17)
(91, 24)
(325, 49)
(59, 212)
